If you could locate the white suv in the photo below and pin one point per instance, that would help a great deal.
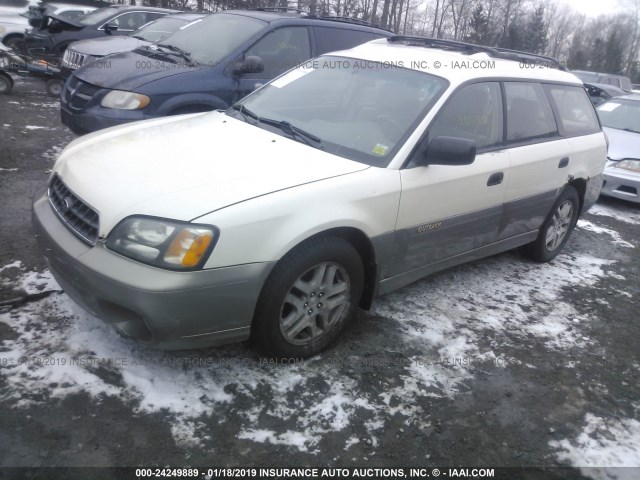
(350, 176)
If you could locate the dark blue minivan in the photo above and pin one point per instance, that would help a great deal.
(207, 66)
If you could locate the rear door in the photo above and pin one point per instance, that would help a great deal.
(540, 158)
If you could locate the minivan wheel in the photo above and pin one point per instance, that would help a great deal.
(557, 228)
(308, 298)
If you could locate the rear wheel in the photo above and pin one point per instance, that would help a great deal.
(308, 298)
(557, 227)
(6, 83)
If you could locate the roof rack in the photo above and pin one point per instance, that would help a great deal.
(280, 9)
(470, 49)
(353, 20)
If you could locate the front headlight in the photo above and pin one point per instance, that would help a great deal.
(163, 243)
(125, 100)
(633, 165)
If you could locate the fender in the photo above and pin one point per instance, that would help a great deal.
(189, 99)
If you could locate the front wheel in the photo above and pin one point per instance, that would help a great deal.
(6, 83)
(557, 227)
(308, 298)
(54, 87)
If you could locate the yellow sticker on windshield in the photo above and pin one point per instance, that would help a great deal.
(380, 149)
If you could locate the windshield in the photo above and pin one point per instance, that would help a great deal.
(156, 31)
(97, 16)
(357, 109)
(209, 41)
(587, 77)
(621, 114)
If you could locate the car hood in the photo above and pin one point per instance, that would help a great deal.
(186, 166)
(99, 47)
(125, 73)
(622, 144)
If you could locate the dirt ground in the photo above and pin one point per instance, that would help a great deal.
(502, 362)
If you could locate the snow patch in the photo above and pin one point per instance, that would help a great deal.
(626, 216)
(587, 225)
(603, 443)
(8, 169)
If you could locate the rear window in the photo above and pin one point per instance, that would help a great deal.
(577, 115)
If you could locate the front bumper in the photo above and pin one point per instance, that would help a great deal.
(169, 310)
(620, 183)
(88, 121)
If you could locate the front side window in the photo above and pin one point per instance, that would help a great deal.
(281, 50)
(357, 109)
(576, 111)
(529, 115)
(131, 21)
(474, 112)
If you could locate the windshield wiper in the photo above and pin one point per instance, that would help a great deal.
(294, 131)
(630, 130)
(179, 51)
(245, 112)
(137, 36)
(286, 127)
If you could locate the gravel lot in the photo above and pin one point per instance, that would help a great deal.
(501, 362)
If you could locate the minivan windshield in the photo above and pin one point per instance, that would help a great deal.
(209, 41)
(357, 109)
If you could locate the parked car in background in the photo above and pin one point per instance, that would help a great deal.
(55, 33)
(620, 118)
(619, 81)
(600, 92)
(81, 53)
(13, 25)
(355, 174)
(207, 66)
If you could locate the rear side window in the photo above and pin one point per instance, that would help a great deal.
(281, 50)
(333, 39)
(475, 113)
(529, 115)
(576, 112)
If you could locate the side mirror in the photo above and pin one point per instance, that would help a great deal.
(36, 22)
(449, 151)
(251, 64)
(111, 27)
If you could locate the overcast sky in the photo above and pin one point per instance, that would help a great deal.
(593, 8)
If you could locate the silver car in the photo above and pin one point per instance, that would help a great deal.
(620, 118)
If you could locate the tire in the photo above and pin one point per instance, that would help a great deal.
(288, 322)
(6, 83)
(54, 87)
(556, 229)
(14, 43)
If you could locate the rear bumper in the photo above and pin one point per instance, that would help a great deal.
(169, 310)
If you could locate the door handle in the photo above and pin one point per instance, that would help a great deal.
(563, 162)
(495, 179)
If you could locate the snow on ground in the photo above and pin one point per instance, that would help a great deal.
(35, 127)
(592, 227)
(603, 443)
(621, 215)
(460, 322)
(8, 169)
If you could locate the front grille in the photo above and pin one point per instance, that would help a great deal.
(73, 60)
(79, 217)
(77, 93)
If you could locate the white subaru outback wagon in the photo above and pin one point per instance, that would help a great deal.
(350, 176)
